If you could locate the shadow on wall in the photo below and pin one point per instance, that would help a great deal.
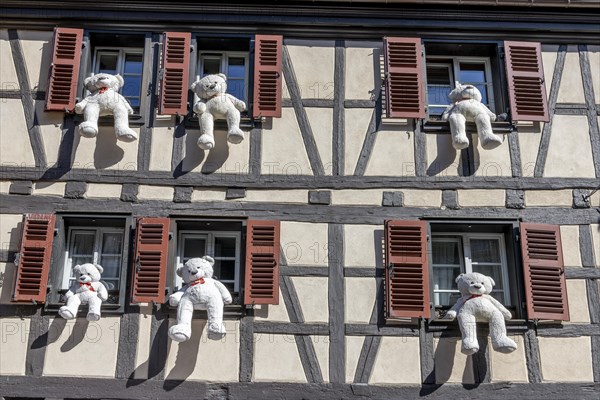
(187, 354)
(445, 155)
(7, 278)
(55, 331)
(194, 155)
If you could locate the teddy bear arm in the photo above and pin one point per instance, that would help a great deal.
(102, 292)
(224, 292)
(446, 112)
(507, 315)
(70, 292)
(453, 311)
(176, 297)
(79, 107)
(239, 104)
(200, 107)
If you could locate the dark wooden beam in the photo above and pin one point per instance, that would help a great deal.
(336, 295)
(588, 90)
(339, 94)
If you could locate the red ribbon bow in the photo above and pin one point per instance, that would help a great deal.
(89, 285)
(198, 282)
(474, 295)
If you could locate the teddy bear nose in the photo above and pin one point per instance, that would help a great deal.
(477, 286)
(213, 85)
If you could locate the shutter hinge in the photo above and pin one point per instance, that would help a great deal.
(17, 259)
(518, 238)
(170, 235)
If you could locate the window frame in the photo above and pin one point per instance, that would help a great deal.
(224, 57)
(466, 260)
(55, 297)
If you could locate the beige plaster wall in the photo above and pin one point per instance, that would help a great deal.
(570, 151)
(491, 163)
(105, 151)
(50, 189)
(223, 158)
(51, 124)
(313, 63)
(313, 298)
(549, 54)
(393, 152)
(372, 197)
(548, 198)
(272, 312)
(8, 73)
(4, 186)
(422, 198)
(530, 134)
(321, 345)
(70, 341)
(286, 367)
(359, 297)
(142, 355)
(356, 125)
(147, 192)
(578, 303)
(569, 237)
(14, 336)
(10, 235)
(162, 145)
(596, 242)
(304, 243)
(571, 83)
(353, 349)
(188, 360)
(442, 158)
(363, 77)
(208, 194)
(481, 198)
(103, 190)
(15, 147)
(321, 123)
(8, 271)
(558, 365)
(511, 367)
(389, 368)
(37, 49)
(299, 196)
(363, 245)
(594, 57)
(283, 151)
(451, 365)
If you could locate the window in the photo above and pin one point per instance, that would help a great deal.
(453, 254)
(128, 63)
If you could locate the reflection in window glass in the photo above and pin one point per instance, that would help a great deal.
(129, 64)
(474, 74)
(439, 84)
(233, 65)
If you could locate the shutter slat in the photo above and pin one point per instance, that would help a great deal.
(267, 76)
(262, 263)
(404, 78)
(149, 273)
(543, 268)
(407, 275)
(64, 71)
(525, 73)
(35, 253)
(175, 79)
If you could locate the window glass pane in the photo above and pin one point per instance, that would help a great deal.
(112, 243)
(236, 68)
(224, 270)
(211, 66)
(444, 278)
(445, 252)
(236, 88)
(439, 85)
(445, 299)
(474, 74)
(134, 102)
(495, 271)
(81, 260)
(83, 244)
(107, 63)
(131, 88)
(224, 247)
(193, 247)
(133, 64)
(485, 250)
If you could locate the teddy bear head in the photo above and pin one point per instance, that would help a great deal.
(102, 80)
(474, 283)
(86, 273)
(210, 86)
(196, 268)
(464, 92)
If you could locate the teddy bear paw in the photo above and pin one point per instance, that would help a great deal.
(93, 317)
(180, 333)
(216, 327)
(126, 134)
(469, 347)
(491, 142)
(504, 345)
(66, 313)
(206, 142)
(460, 143)
(235, 136)
(79, 108)
(88, 130)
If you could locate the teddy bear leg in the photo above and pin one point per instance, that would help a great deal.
(457, 129)
(468, 328)
(500, 341)
(486, 135)
(216, 329)
(94, 305)
(89, 127)
(206, 141)
(69, 311)
(234, 135)
(122, 129)
(183, 330)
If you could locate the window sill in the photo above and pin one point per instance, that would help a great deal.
(443, 127)
(246, 123)
(230, 312)
(135, 120)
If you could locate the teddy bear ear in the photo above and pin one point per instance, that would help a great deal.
(458, 278)
(99, 268)
(210, 260)
(179, 270)
(193, 86)
(223, 76)
(87, 80)
(120, 80)
(77, 268)
(491, 281)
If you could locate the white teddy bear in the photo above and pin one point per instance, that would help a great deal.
(200, 291)
(105, 99)
(476, 304)
(215, 103)
(467, 106)
(87, 289)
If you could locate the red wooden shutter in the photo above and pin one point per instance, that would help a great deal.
(407, 273)
(404, 78)
(64, 71)
(175, 73)
(526, 86)
(262, 263)
(150, 263)
(545, 286)
(267, 76)
(34, 258)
